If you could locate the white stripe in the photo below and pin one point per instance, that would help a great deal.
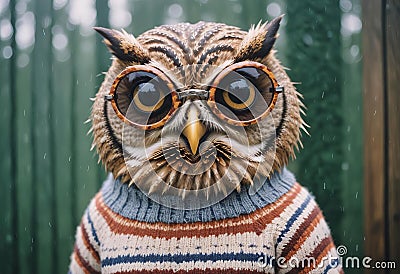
(237, 265)
(248, 242)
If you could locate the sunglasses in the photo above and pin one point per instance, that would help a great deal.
(241, 94)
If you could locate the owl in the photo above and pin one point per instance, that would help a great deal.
(195, 124)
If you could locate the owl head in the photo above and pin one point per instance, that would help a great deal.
(192, 106)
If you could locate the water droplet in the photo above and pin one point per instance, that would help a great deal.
(7, 52)
(274, 9)
(44, 156)
(307, 39)
(345, 5)
(9, 238)
(175, 10)
(354, 50)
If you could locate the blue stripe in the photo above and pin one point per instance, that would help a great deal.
(292, 219)
(92, 228)
(332, 264)
(180, 258)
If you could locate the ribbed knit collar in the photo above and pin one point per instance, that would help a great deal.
(132, 203)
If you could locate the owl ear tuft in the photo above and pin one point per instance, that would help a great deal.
(259, 41)
(124, 46)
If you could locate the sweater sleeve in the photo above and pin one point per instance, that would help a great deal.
(304, 242)
(85, 257)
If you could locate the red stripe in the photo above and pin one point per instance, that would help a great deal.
(87, 243)
(82, 262)
(318, 253)
(302, 233)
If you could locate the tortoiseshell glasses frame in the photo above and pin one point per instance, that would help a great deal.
(209, 95)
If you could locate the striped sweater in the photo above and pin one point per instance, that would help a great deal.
(279, 229)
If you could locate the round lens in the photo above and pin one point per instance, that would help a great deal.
(143, 97)
(243, 93)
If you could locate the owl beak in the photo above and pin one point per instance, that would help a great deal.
(194, 130)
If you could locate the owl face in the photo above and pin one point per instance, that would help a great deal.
(195, 107)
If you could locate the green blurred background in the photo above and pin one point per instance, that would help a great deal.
(52, 63)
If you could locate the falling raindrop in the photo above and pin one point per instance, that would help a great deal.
(7, 52)
(9, 238)
(274, 9)
(307, 39)
(346, 5)
(175, 10)
(354, 50)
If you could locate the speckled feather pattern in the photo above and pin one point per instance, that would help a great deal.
(211, 47)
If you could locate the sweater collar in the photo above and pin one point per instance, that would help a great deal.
(132, 203)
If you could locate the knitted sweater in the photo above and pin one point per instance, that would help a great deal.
(279, 229)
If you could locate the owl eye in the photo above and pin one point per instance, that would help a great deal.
(239, 94)
(242, 92)
(148, 97)
(143, 97)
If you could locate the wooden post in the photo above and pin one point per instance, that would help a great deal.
(373, 95)
(381, 74)
(393, 126)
